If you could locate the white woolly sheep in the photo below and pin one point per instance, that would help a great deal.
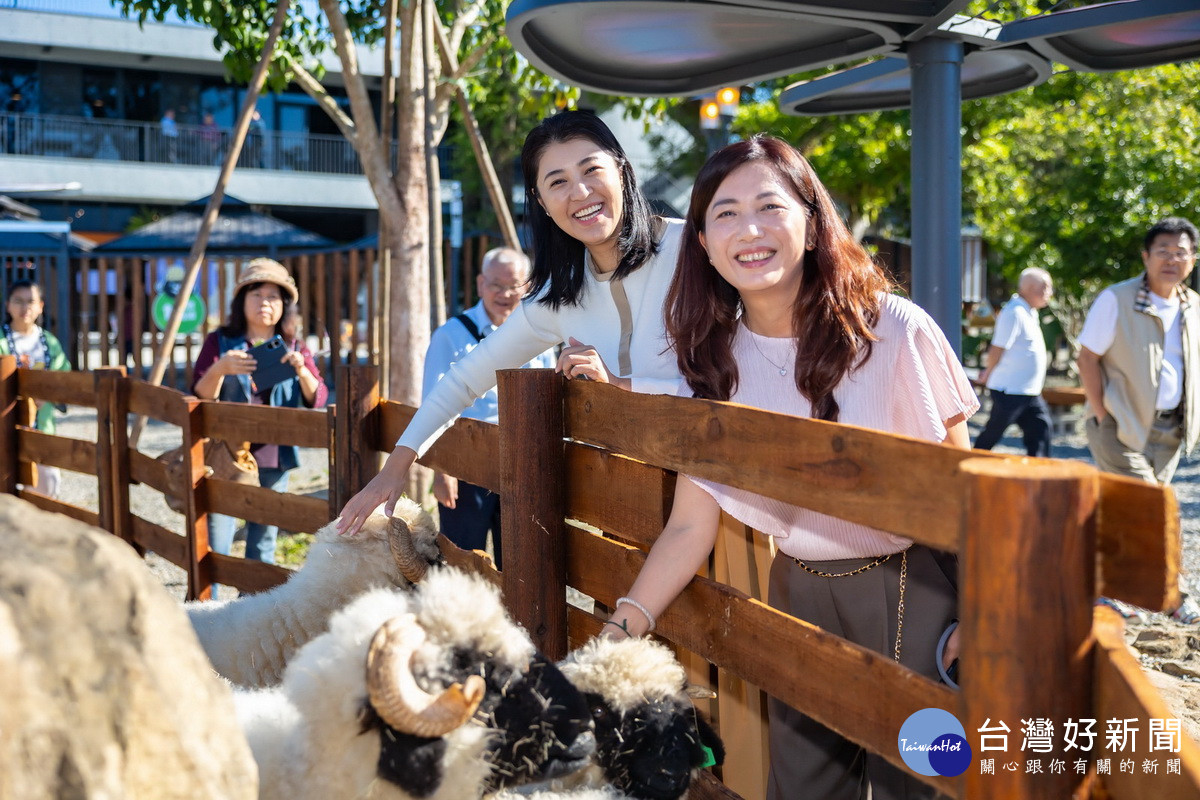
(650, 740)
(250, 639)
(375, 707)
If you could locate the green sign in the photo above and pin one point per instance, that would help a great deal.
(193, 312)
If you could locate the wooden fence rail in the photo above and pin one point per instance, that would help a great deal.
(587, 494)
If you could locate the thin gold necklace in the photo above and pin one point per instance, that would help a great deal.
(754, 341)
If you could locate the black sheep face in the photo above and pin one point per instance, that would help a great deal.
(651, 751)
(542, 726)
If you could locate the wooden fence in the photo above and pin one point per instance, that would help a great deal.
(1038, 540)
(341, 305)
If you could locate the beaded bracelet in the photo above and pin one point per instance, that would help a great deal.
(645, 611)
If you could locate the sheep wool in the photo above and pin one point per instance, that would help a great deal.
(650, 740)
(318, 734)
(250, 639)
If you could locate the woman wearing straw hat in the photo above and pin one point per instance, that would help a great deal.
(263, 293)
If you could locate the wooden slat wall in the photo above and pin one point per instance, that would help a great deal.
(239, 422)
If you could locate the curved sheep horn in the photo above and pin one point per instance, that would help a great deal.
(394, 692)
(408, 561)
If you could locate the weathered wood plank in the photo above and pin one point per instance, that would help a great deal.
(393, 419)
(291, 512)
(57, 451)
(475, 561)
(533, 485)
(1139, 542)
(9, 461)
(157, 402)
(864, 476)
(1064, 395)
(853, 473)
(618, 495)
(1123, 692)
(470, 451)
(1021, 518)
(168, 544)
(240, 422)
(357, 463)
(150, 471)
(248, 576)
(75, 388)
(67, 509)
(707, 787)
(786, 657)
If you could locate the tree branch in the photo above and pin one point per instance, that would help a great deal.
(313, 88)
(369, 148)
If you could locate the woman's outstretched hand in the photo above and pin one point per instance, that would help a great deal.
(579, 361)
(386, 488)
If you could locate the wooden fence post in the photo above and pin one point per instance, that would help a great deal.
(1029, 566)
(200, 566)
(8, 424)
(533, 474)
(355, 459)
(112, 452)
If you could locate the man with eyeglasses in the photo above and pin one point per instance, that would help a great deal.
(1139, 361)
(467, 511)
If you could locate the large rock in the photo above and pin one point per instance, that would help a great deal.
(104, 690)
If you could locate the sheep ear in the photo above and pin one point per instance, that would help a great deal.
(710, 739)
(412, 763)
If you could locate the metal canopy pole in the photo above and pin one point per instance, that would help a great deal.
(936, 66)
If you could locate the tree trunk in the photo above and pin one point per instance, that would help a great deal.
(488, 172)
(409, 234)
(437, 284)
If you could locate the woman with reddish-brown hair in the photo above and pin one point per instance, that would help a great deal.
(775, 305)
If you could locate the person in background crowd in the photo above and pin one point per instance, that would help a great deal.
(35, 348)
(468, 511)
(170, 135)
(263, 291)
(775, 305)
(1139, 361)
(1016, 367)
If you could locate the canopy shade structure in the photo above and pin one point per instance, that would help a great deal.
(669, 47)
(887, 83)
(1130, 34)
(239, 230)
(932, 60)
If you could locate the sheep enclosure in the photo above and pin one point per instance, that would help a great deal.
(583, 502)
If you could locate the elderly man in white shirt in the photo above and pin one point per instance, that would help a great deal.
(467, 511)
(1016, 367)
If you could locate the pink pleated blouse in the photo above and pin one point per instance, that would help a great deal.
(912, 384)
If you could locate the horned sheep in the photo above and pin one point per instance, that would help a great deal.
(650, 740)
(250, 639)
(433, 693)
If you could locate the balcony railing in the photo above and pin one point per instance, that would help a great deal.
(121, 140)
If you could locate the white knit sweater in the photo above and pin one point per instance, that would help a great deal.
(533, 327)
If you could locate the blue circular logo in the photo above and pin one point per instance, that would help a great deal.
(933, 742)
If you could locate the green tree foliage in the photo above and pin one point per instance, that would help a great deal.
(1069, 175)
(1066, 175)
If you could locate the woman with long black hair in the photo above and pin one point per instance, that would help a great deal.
(602, 264)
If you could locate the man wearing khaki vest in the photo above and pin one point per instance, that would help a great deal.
(1140, 366)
